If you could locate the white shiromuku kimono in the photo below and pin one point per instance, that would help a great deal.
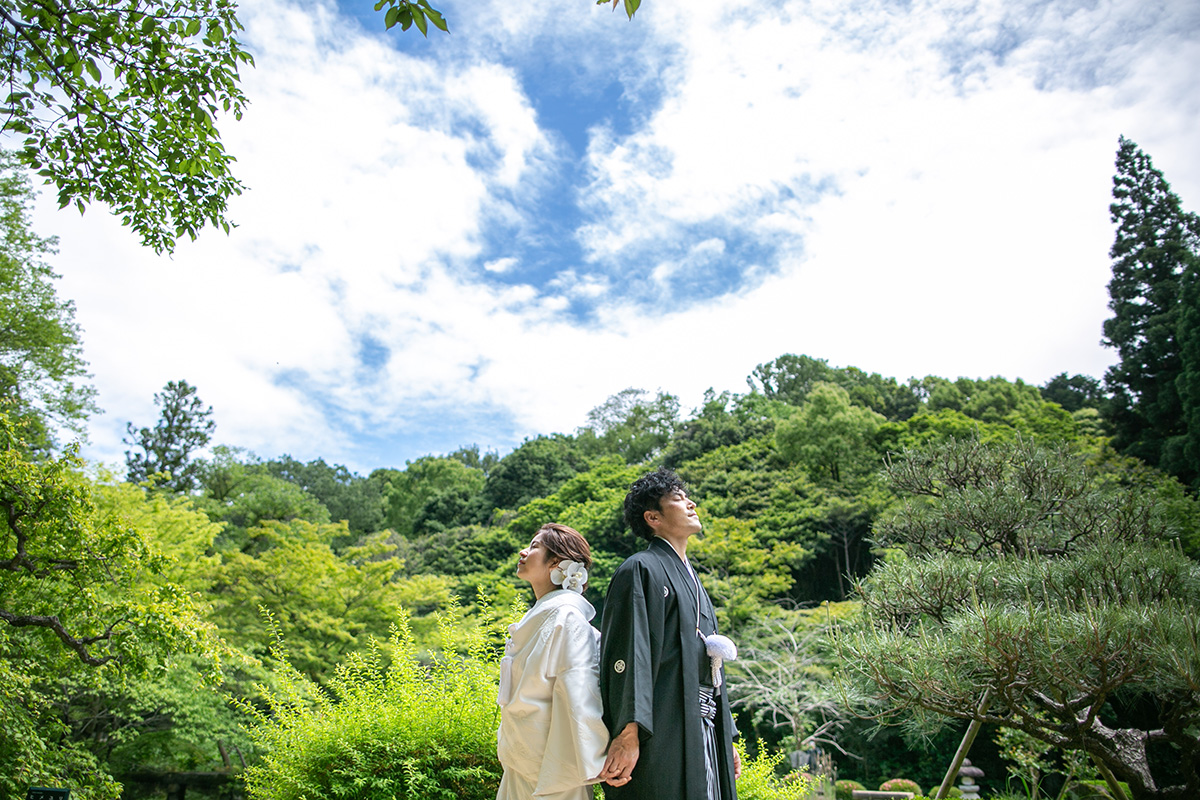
(552, 737)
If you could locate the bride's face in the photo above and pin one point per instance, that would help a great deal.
(535, 562)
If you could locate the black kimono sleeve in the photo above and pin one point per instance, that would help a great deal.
(631, 634)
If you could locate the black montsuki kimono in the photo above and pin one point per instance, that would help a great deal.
(651, 666)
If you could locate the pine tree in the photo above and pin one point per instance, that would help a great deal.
(184, 428)
(1156, 242)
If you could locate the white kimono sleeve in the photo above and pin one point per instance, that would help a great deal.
(578, 738)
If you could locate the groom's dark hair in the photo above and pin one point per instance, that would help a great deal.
(645, 494)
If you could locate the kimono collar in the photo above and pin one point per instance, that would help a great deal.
(685, 576)
(547, 604)
(663, 544)
(560, 597)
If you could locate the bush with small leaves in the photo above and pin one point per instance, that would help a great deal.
(388, 724)
(761, 781)
(844, 789)
(900, 785)
(1093, 790)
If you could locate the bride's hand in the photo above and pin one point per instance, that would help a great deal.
(623, 753)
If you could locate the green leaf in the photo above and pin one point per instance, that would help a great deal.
(631, 6)
(93, 69)
(389, 19)
(436, 18)
(419, 18)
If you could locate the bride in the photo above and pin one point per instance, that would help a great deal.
(552, 739)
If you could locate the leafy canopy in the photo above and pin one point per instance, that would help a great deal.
(89, 609)
(118, 102)
(42, 370)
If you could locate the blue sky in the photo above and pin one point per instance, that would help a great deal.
(477, 237)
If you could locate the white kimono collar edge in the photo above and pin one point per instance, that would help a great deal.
(558, 597)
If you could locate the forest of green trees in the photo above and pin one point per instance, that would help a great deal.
(937, 554)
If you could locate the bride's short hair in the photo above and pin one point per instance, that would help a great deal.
(566, 544)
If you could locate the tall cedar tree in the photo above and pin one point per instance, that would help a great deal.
(184, 428)
(1154, 266)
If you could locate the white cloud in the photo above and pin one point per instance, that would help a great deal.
(910, 219)
(500, 265)
(963, 228)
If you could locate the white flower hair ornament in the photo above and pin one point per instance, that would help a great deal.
(570, 575)
(720, 649)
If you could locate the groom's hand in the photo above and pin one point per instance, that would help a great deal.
(622, 756)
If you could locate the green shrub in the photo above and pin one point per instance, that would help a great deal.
(844, 789)
(900, 785)
(761, 781)
(1094, 790)
(387, 725)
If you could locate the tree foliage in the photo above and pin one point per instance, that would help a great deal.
(1186, 449)
(87, 603)
(347, 495)
(43, 375)
(1024, 593)
(790, 378)
(407, 14)
(326, 604)
(1074, 392)
(783, 676)
(535, 469)
(184, 427)
(723, 419)
(430, 494)
(743, 571)
(830, 434)
(631, 424)
(118, 102)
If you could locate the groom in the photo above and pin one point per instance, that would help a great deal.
(672, 733)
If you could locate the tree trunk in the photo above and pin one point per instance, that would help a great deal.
(964, 746)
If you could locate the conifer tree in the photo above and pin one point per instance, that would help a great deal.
(184, 428)
(1156, 241)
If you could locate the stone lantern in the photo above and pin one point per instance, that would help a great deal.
(968, 775)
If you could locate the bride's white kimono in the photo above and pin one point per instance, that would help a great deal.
(552, 738)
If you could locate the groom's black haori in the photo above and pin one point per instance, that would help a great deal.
(653, 667)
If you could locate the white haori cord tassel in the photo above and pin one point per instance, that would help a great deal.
(720, 649)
